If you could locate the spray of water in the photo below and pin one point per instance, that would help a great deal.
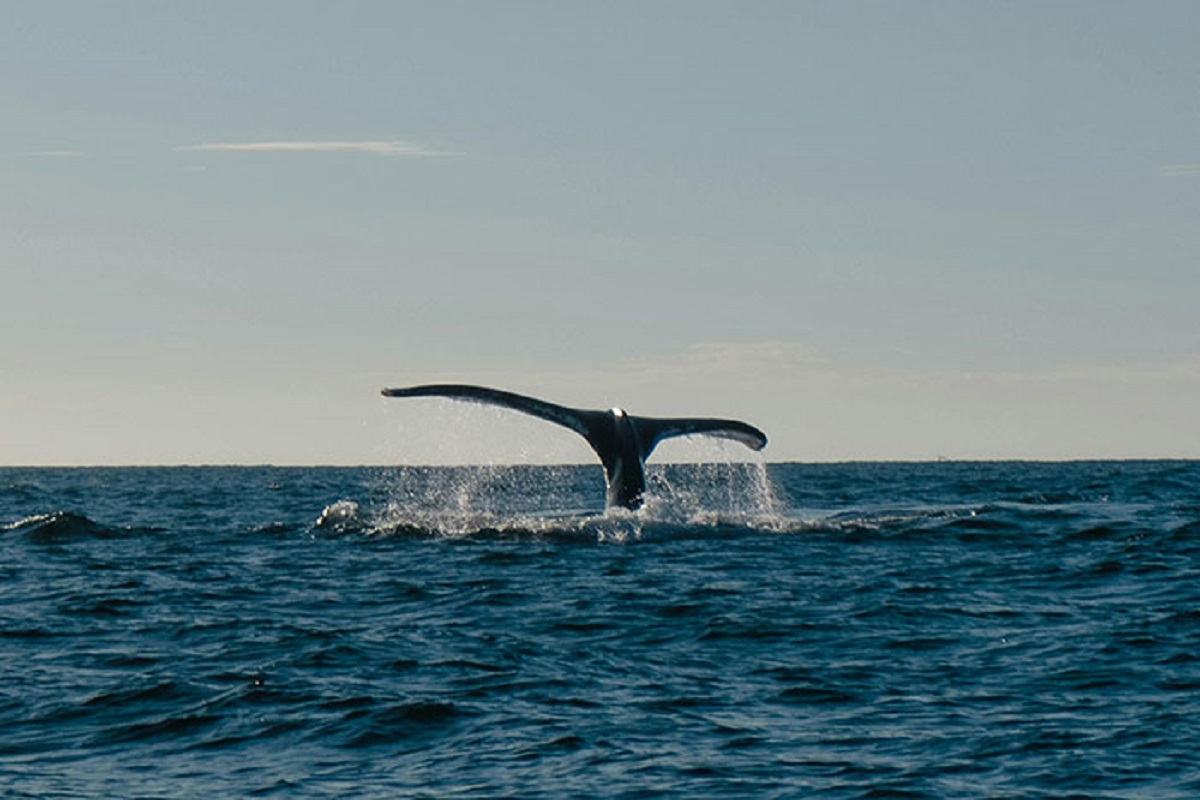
(695, 484)
(720, 488)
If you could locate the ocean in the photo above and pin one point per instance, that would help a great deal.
(861, 630)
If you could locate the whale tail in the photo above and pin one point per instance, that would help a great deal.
(653, 430)
(622, 442)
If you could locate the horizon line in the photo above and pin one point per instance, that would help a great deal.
(783, 462)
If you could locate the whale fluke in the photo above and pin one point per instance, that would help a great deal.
(623, 442)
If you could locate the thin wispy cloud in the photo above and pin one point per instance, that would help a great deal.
(392, 148)
(1180, 171)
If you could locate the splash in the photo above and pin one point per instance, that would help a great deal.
(712, 491)
(718, 495)
(395, 520)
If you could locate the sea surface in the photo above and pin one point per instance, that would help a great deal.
(788, 630)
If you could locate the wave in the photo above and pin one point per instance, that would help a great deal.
(61, 527)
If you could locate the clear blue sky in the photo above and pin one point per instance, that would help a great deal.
(875, 229)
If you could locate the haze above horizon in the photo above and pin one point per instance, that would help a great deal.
(877, 231)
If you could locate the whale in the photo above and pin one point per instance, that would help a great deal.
(622, 441)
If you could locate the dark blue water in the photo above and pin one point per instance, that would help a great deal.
(860, 630)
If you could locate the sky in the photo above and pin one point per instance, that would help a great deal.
(877, 230)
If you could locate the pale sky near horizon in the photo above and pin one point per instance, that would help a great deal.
(877, 230)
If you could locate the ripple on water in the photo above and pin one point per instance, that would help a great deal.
(880, 630)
